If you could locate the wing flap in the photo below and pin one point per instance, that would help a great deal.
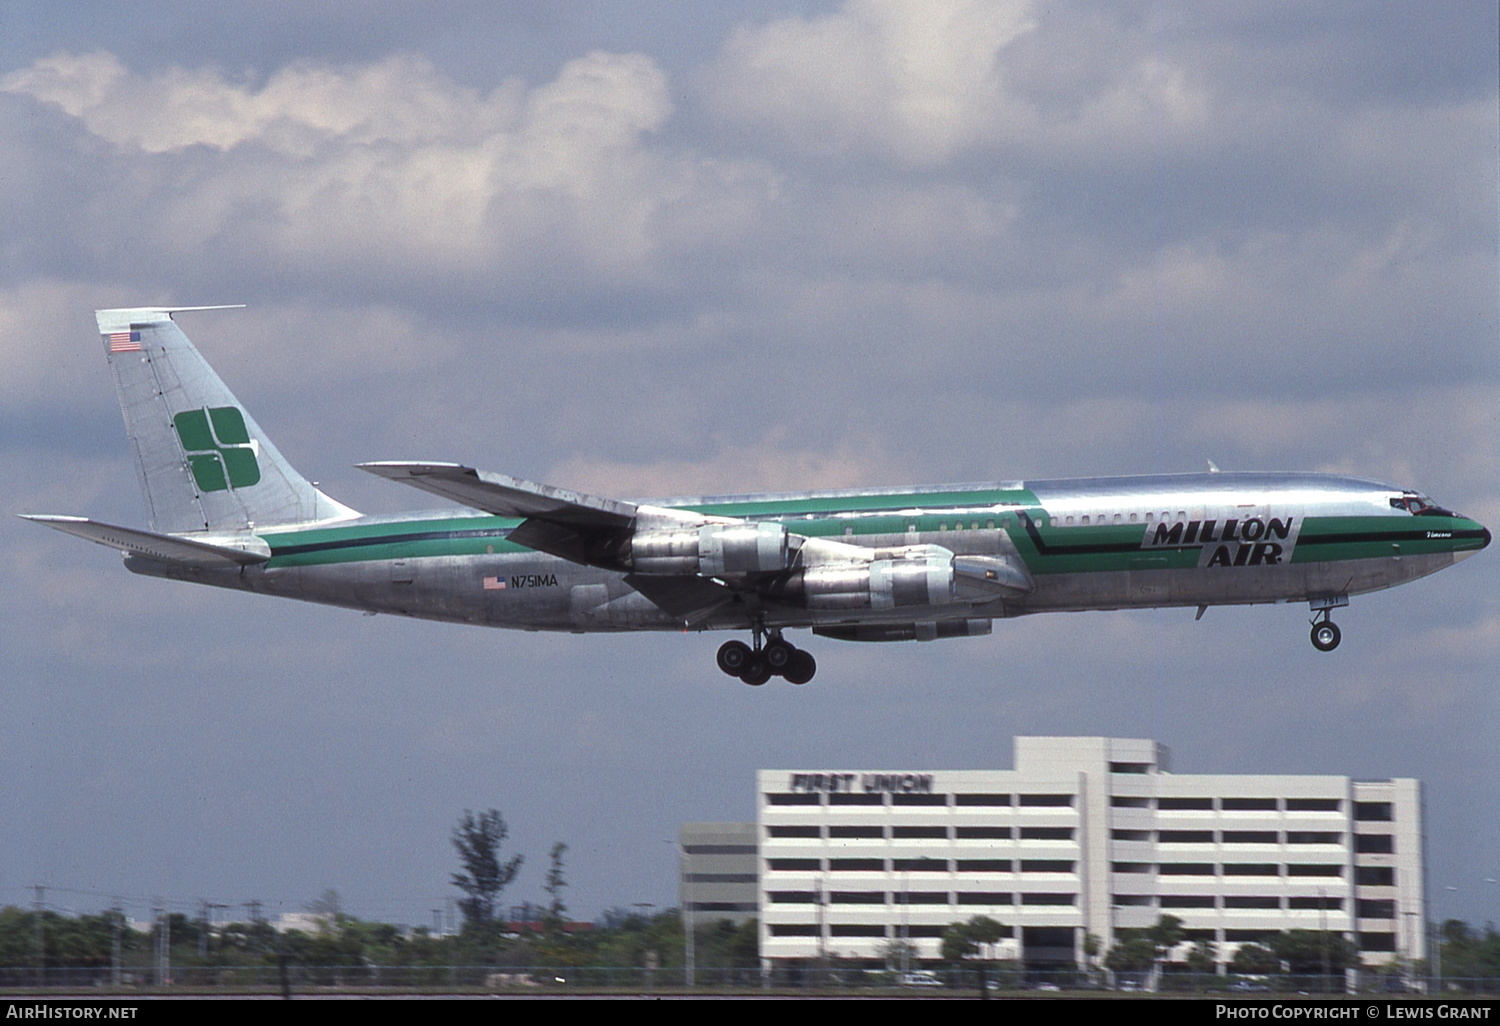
(163, 548)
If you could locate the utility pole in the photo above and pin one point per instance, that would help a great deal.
(38, 906)
(116, 923)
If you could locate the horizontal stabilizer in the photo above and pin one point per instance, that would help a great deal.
(161, 547)
(506, 496)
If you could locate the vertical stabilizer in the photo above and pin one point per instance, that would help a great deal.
(204, 464)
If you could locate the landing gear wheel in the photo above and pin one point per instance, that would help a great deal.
(801, 668)
(733, 657)
(756, 672)
(778, 654)
(1326, 636)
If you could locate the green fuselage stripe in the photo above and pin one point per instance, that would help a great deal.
(1044, 547)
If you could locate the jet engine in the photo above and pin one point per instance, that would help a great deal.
(881, 584)
(714, 550)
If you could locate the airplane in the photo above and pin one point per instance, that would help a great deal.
(869, 564)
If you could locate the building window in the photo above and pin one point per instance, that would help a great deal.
(1377, 942)
(856, 831)
(920, 897)
(843, 798)
(1046, 866)
(1185, 836)
(1313, 805)
(1133, 900)
(1125, 801)
(1130, 767)
(1177, 804)
(981, 799)
(919, 799)
(984, 897)
(1314, 870)
(854, 865)
(920, 831)
(857, 897)
(983, 833)
(1131, 867)
(794, 929)
(984, 865)
(1247, 804)
(1249, 837)
(1130, 835)
(1186, 869)
(1251, 869)
(1375, 876)
(794, 864)
(1046, 801)
(1321, 903)
(1248, 936)
(1252, 901)
(851, 930)
(793, 897)
(1049, 899)
(1046, 833)
(1366, 908)
(1187, 901)
(1375, 844)
(919, 865)
(794, 799)
(1313, 837)
(1374, 812)
(922, 931)
(794, 831)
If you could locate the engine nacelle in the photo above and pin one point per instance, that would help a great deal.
(926, 630)
(713, 550)
(881, 584)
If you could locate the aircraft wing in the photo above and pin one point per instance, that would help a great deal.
(163, 548)
(578, 527)
(506, 496)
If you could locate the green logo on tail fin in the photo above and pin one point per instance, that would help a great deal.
(218, 448)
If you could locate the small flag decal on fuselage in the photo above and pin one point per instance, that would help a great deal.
(124, 341)
(494, 584)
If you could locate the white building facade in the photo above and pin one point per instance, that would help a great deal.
(1086, 835)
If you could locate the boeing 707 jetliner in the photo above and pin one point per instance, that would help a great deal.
(870, 564)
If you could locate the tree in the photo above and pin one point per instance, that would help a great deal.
(1166, 934)
(1314, 952)
(555, 885)
(1130, 954)
(1255, 960)
(477, 839)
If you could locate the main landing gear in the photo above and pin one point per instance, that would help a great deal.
(773, 656)
(1325, 633)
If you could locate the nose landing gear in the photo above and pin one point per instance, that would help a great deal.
(773, 656)
(1325, 633)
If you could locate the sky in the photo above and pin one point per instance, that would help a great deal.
(659, 248)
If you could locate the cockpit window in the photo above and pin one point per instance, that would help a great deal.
(1420, 506)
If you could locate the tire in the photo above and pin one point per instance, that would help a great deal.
(1326, 636)
(732, 657)
(779, 654)
(801, 669)
(756, 672)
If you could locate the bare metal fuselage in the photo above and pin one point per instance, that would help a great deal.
(1107, 543)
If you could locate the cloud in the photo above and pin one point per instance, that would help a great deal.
(390, 172)
(914, 80)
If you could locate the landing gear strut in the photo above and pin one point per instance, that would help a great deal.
(772, 655)
(1325, 633)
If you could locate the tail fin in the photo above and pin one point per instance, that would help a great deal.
(204, 464)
